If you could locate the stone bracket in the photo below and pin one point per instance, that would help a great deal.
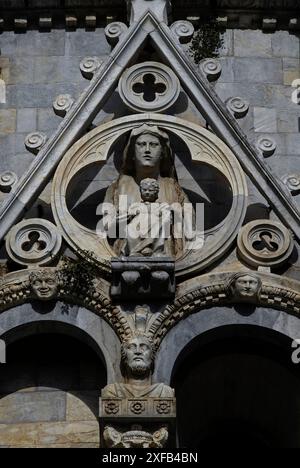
(141, 278)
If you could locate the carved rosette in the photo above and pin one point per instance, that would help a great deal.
(114, 32)
(7, 180)
(89, 66)
(267, 146)
(33, 241)
(292, 181)
(183, 30)
(35, 141)
(265, 243)
(149, 86)
(211, 68)
(238, 106)
(63, 104)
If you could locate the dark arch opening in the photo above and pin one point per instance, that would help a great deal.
(50, 388)
(237, 386)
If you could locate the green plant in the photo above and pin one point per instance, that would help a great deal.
(78, 275)
(207, 41)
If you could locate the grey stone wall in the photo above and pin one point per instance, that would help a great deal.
(261, 68)
(36, 68)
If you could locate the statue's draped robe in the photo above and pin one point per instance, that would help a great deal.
(169, 192)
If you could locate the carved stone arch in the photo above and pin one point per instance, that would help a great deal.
(210, 291)
(16, 289)
(204, 147)
(211, 319)
(28, 319)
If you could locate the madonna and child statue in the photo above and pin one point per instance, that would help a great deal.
(147, 199)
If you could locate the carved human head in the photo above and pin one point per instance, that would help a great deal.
(137, 356)
(245, 286)
(44, 284)
(142, 138)
(149, 189)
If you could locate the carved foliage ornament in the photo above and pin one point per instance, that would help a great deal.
(149, 86)
(265, 243)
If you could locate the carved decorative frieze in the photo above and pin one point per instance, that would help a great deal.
(35, 141)
(135, 438)
(238, 106)
(265, 243)
(63, 104)
(89, 66)
(7, 180)
(183, 30)
(149, 86)
(114, 32)
(33, 241)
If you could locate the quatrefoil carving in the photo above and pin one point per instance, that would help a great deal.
(149, 86)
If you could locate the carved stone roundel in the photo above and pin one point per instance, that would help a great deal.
(149, 86)
(203, 146)
(33, 241)
(265, 243)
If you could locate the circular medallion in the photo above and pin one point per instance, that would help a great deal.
(149, 86)
(204, 149)
(265, 243)
(33, 241)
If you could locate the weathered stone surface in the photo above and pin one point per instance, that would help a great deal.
(81, 43)
(293, 144)
(252, 44)
(38, 95)
(42, 434)
(26, 120)
(265, 120)
(33, 43)
(57, 70)
(258, 70)
(47, 120)
(82, 406)
(288, 121)
(285, 44)
(7, 121)
(290, 76)
(32, 406)
(21, 70)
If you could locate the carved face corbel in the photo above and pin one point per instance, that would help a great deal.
(245, 286)
(44, 284)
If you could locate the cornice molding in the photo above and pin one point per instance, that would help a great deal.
(72, 14)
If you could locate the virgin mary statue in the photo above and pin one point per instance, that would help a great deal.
(148, 155)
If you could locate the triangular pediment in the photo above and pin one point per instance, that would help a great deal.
(105, 80)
